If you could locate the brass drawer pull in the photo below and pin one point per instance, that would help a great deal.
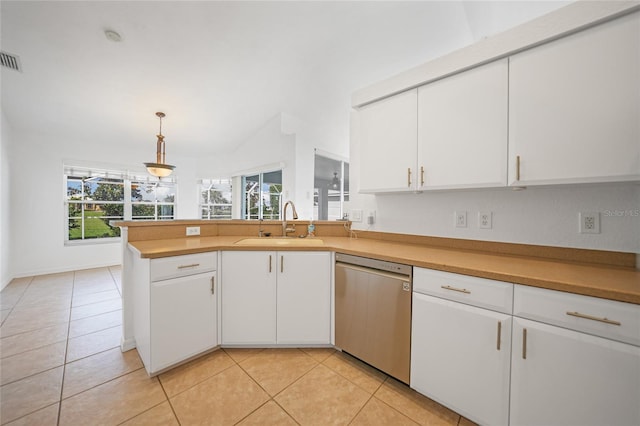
(524, 343)
(409, 177)
(421, 175)
(517, 167)
(269, 263)
(213, 285)
(461, 290)
(499, 333)
(193, 265)
(281, 264)
(589, 317)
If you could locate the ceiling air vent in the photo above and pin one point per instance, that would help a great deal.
(10, 61)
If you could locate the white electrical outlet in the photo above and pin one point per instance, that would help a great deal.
(356, 215)
(485, 220)
(193, 230)
(589, 222)
(460, 219)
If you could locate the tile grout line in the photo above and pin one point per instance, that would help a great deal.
(66, 353)
(17, 301)
(272, 398)
(114, 279)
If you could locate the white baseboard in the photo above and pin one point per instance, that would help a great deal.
(47, 271)
(127, 344)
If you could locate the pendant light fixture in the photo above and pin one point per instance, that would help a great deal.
(335, 182)
(160, 168)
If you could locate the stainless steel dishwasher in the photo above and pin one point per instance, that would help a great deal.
(373, 312)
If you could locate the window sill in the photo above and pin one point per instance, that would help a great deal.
(96, 241)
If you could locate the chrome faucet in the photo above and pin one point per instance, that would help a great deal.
(285, 230)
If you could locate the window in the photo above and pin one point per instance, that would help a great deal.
(262, 195)
(92, 203)
(152, 200)
(331, 187)
(96, 197)
(215, 199)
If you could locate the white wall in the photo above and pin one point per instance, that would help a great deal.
(5, 203)
(37, 194)
(544, 216)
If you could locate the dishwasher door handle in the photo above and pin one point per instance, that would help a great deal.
(374, 271)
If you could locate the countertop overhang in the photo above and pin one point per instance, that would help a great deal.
(608, 282)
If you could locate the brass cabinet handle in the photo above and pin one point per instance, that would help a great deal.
(461, 290)
(499, 333)
(269, 263)
(281, 264)
(421, 175)
(213, 285)
(524, 343)
(409, 176)
(193, 265)
(589, 317)
(517, 167)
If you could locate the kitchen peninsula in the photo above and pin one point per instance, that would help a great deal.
(163, 269)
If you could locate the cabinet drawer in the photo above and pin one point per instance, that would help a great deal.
(181, 266)
(481, 292)
(606, 318)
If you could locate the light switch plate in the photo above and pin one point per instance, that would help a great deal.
(193, 230)
(356, 215)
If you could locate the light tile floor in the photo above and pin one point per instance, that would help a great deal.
(61, 365)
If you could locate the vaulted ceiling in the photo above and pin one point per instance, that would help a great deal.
(220, 70)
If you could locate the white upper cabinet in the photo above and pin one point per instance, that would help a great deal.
(388, 144)
(574, 107)
(462, 129)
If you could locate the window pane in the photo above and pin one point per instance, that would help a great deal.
(75, 230)
(97, 226)
(165, 194)
(143, 191)
(215, 199)
(103, 189)
(106, 210)
(146, 210)
(221, 212)
(75, 210)
(165, 210)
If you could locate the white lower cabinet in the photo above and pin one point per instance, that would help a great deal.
(460, 358)
(183, 319)
(274, 297)
(460, 354)
(175, 316)
(562, 376)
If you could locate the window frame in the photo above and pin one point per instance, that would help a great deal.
(245, 209)
(206, 185)
(83, 173)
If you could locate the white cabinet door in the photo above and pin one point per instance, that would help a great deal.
(388, 144)
(462, 129)
(460, 356)
(248, 297)
(574, 107)
(183, 319)
(564, 377)
(304, 298)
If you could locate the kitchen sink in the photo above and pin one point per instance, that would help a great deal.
(280, 241)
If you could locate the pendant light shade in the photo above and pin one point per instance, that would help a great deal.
(160, 168)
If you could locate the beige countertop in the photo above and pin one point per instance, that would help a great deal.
(609, 282)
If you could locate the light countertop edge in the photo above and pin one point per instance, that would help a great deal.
(614, 283)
